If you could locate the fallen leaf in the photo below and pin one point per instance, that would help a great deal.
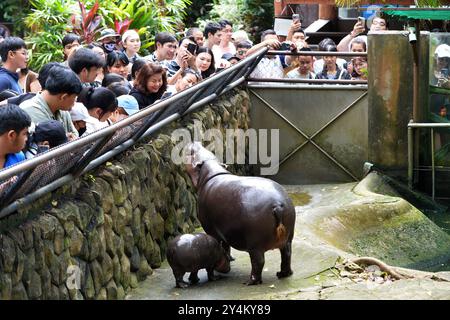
(54, 203)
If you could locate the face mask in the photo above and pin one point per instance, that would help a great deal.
(81, 131)
(110, 46)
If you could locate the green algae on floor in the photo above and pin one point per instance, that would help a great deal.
(300, 199)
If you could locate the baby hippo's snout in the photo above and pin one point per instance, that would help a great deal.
(192, 252)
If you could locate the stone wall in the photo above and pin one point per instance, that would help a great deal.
(97, 237)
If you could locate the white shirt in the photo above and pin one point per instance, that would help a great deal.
(93, 124)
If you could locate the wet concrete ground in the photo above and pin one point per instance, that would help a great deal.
(313, 264)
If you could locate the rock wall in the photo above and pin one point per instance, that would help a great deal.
(103, 233)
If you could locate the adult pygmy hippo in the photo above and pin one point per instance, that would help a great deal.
(192, 252)
(247, 213)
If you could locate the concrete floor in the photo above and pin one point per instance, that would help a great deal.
(312, 262)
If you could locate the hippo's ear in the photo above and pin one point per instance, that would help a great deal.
(197, 163)
(224, 165)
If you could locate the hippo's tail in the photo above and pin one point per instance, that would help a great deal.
(280, 231)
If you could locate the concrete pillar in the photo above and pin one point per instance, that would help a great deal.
(390, 97)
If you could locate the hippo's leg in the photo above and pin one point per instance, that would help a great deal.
(286, 270)
(211, 276)
(257, 259)
(193, 278)
(180, 283)
(227, 249)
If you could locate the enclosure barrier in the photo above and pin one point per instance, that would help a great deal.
(411, 127)
(28, 180)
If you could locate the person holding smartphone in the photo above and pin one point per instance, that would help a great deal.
(184, 58)
(295, 27)
(358, 28)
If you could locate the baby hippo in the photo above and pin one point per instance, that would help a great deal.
(192, 252)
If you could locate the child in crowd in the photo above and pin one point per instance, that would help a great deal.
(127, 106)
(46, 135)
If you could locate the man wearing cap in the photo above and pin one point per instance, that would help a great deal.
(79, 115)
(127, 106)
(108, 38)
(131, 45)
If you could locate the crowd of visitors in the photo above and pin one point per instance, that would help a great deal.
(106, 81)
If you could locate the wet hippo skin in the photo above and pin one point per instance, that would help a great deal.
(247, 213)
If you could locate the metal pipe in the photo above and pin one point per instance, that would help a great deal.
(428, 125)
(316, 53)
(276, 85)
(322, 81)
(433, 173)
(410, 156)
(35, 195)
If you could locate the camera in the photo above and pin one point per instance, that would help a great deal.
(296, 17)
(285, 46)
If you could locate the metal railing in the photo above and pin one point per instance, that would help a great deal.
(411, 127)
(312, 81)
(28, 180)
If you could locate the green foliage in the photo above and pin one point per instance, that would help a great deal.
(195, 12)
(254, 16)
(88, 22)
(14, 11)
(148, 16)
(50, 20)
(47, 23)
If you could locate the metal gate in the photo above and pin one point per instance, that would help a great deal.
(323, 130)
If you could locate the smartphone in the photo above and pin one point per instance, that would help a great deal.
(296, 17)
(362, 20)
(285, 46)
(192, 48)
(444, 72)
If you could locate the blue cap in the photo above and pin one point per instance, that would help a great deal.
(128, 103)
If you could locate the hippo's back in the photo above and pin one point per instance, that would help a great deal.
(241, 210)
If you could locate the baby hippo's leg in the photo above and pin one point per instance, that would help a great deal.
(211, 276)
(193, 278)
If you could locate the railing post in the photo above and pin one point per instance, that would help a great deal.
(410, 155)
(90, 155)
(433, 174)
